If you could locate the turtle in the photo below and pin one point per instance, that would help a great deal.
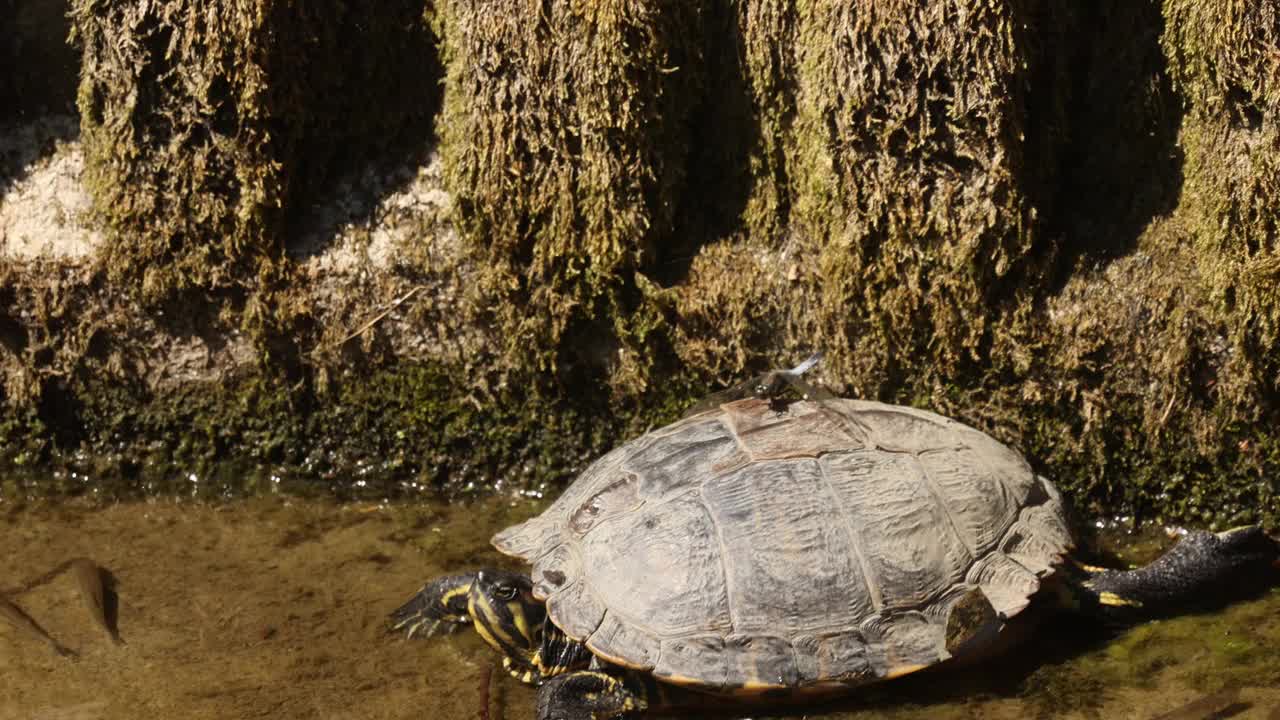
(757, 554)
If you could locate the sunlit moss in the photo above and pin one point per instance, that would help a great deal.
(204, 126)
(563, 133)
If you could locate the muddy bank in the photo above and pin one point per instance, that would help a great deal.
(276, 608)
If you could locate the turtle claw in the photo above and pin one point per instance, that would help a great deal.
(415, 627)
(440, 603)
(424, 625)
(523, 673)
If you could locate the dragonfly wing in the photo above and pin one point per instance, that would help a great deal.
(771, 386)
(742, 390)
(807, 365)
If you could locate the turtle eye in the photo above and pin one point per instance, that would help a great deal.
(505, 592)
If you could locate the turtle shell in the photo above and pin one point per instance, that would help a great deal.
(836, 544)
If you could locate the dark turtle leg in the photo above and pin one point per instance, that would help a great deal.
(605, 693)
(589, 695)
(1203, 569)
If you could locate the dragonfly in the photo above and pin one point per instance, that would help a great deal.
(776, 386)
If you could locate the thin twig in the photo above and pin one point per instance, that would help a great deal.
(377, 318)
(1168, 408)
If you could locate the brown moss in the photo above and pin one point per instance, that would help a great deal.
(564, 132)
(901, 128)
(100, 397)
(924, 171)
(204, 125)
(1116, 389)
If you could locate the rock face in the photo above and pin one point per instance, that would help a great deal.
(1056, 225)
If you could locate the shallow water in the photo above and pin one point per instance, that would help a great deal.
(276, 607)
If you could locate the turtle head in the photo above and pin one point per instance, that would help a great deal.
(505, 613)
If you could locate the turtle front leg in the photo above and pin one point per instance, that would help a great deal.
(501, 607)
(440, 601)
(589, 695)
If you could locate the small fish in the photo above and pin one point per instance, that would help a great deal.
(94, 584)
(1214, 705)
(22, 621)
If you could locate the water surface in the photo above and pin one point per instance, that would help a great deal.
(275, 607)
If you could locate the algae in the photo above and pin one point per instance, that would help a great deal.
(402, 431)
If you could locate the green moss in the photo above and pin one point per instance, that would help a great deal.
(1222, 56)
(401, 431)
(24, 440)
(1224, 656)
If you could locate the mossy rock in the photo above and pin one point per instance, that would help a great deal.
(1223, 58)
(656, 199)
(564, 133)
(206, 125)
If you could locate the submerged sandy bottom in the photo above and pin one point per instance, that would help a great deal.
(276, 608)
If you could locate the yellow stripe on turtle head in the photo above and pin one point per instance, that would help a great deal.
(455, 592)
(521, 622)
(487, 625)
(1091, 569)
